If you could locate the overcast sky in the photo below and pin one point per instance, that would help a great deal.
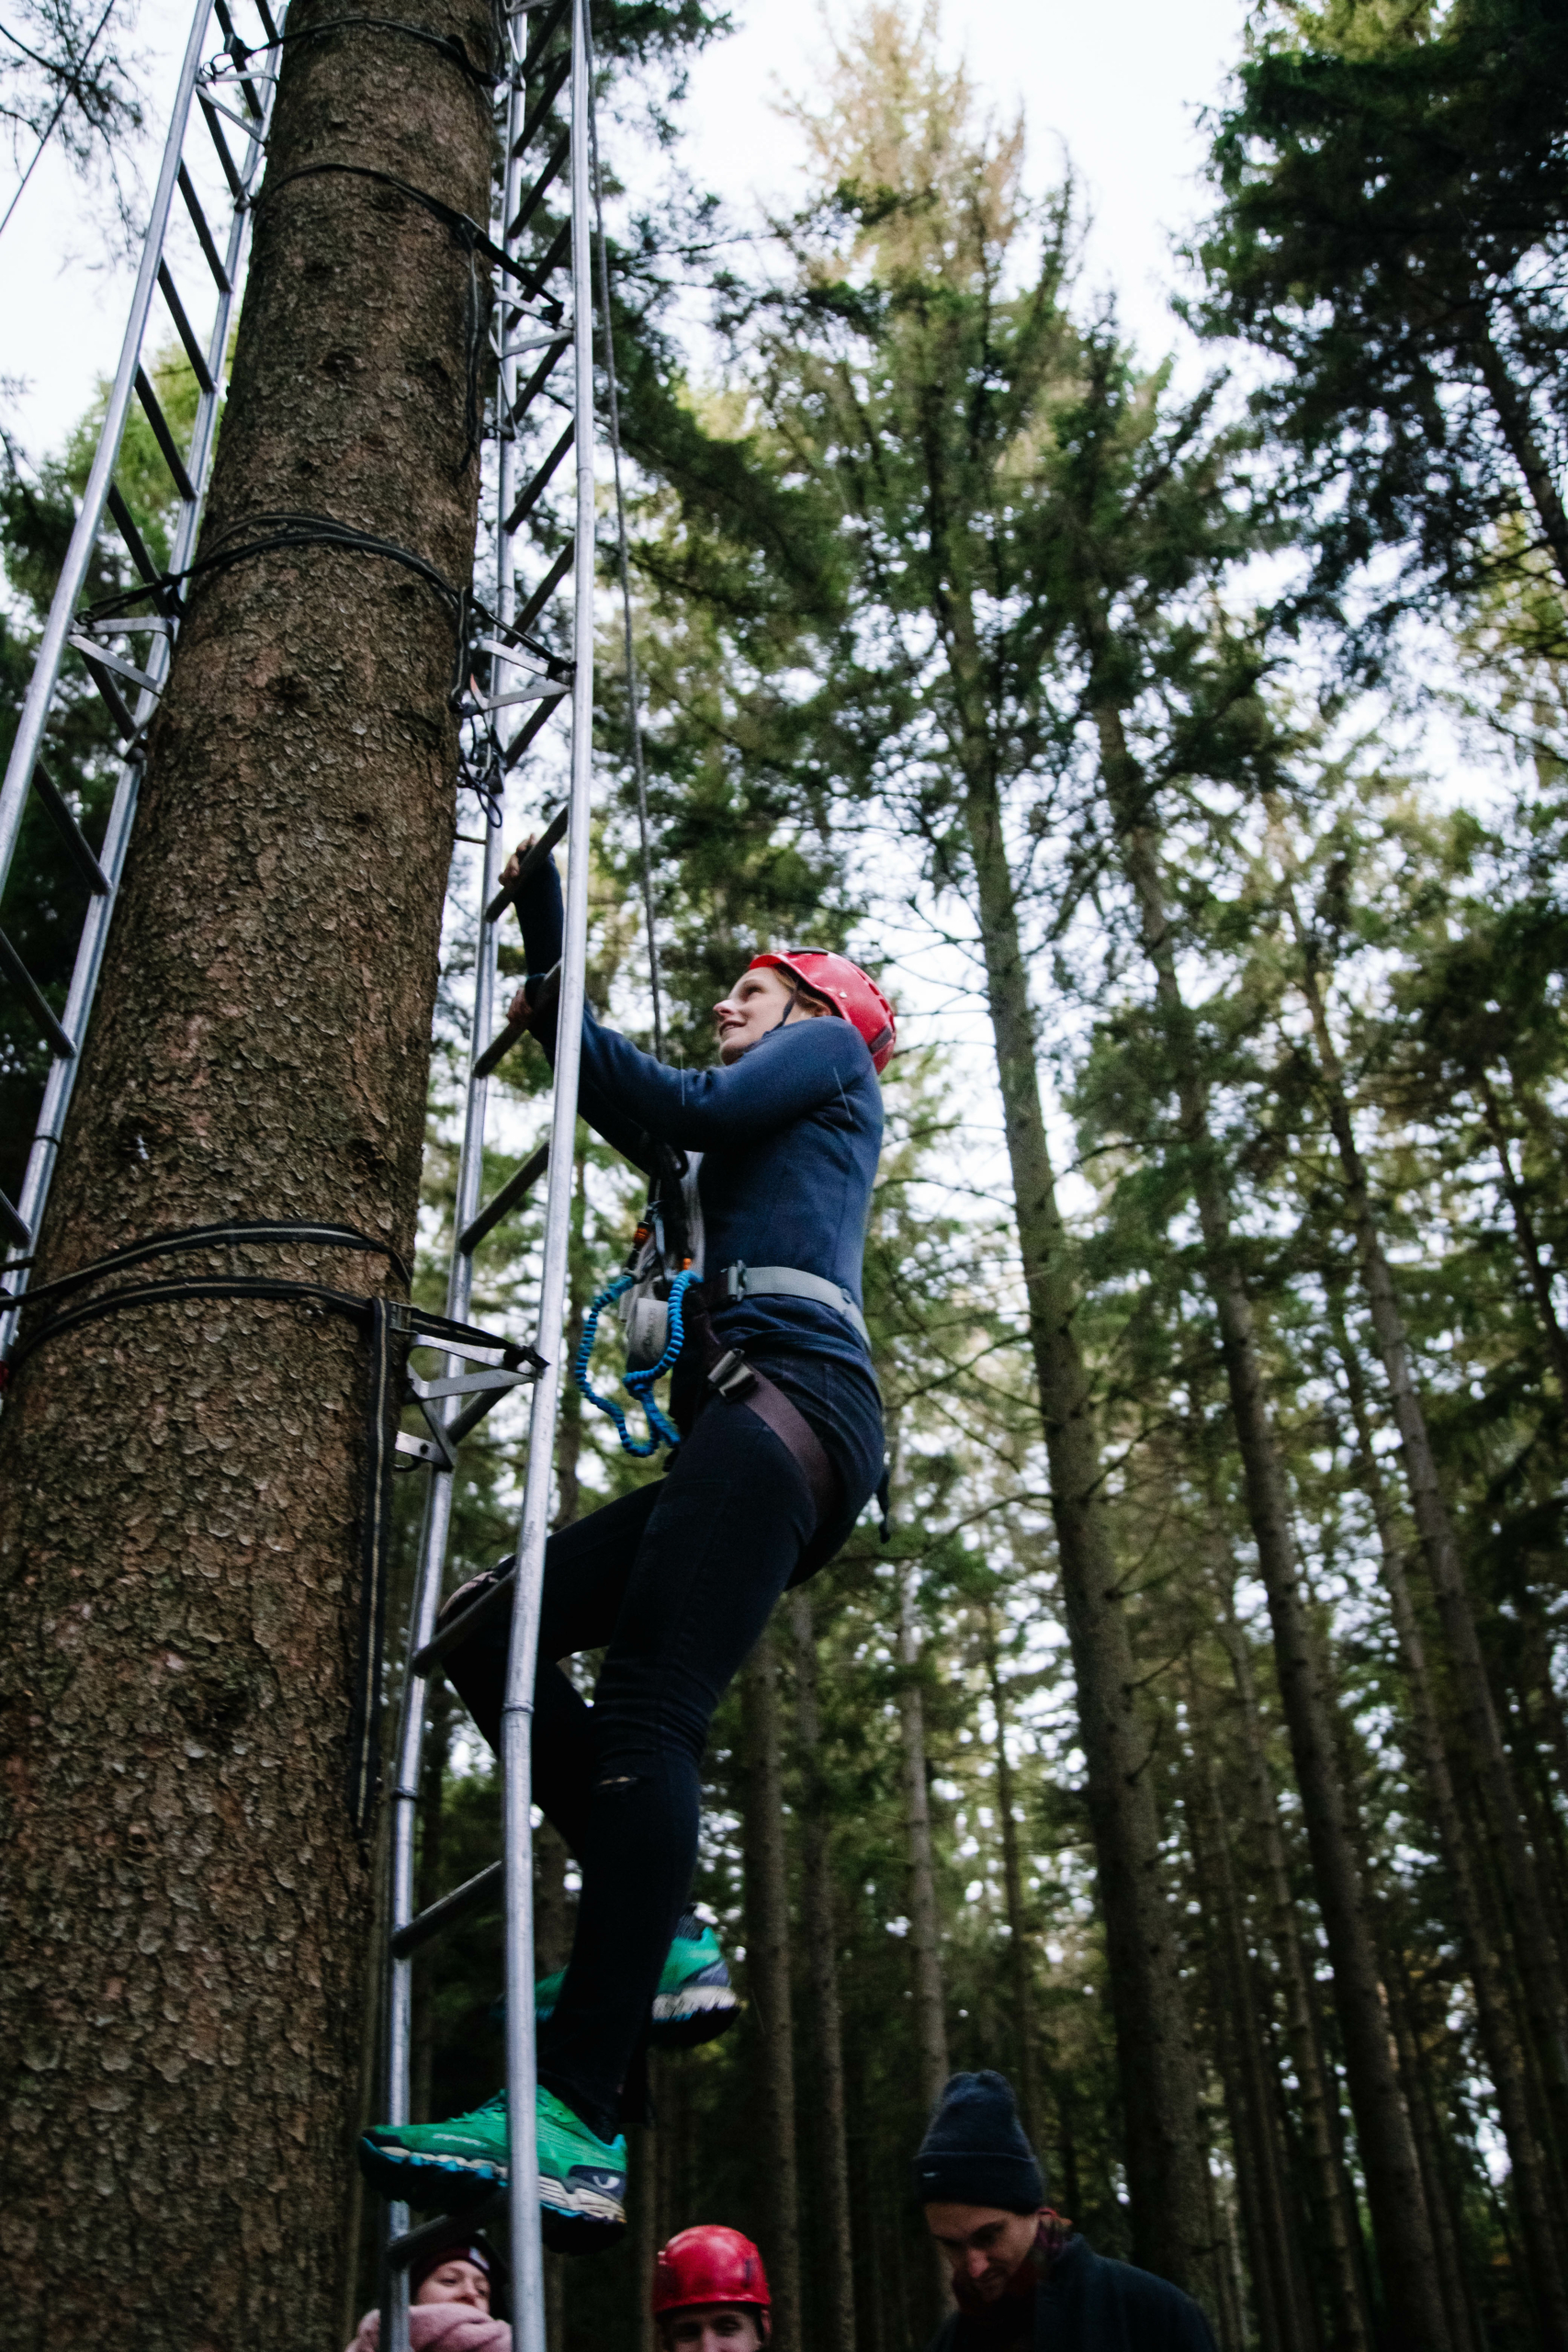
(1117, 86)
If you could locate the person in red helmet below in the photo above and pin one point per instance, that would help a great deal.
(710, 2292)
(766, 1164)
(1022, 2278)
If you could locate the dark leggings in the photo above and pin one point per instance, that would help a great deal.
(678, 1579)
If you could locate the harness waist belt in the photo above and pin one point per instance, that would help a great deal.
(741, 1281)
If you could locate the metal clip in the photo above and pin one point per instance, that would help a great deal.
(732, 1375)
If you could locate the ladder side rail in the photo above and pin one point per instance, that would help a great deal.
(79, 555)
(88, 962)
(459, 1288)
(517, 1717)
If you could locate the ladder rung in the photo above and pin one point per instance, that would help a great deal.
(554, 832)
(198, 222)
(231, 171)
(408, 2248)
(450, 1636)
(526, 735)
(546, 589)
(194, 351)
(38, 1004)
(164, 437)
(557, 254)
(238, 52)
(163, 596)
(542, 104)
(538, 379)
(525, 210)
(13, 1222)
(500, 1045)
(118, 710)
(265, 12)
(541, 33)
(70, 831)
(514, 1189)
(117, 662)
(535, 489)
(455, 1905)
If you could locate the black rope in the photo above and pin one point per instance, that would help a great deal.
(449, 45)
(466, 232)
(389, 1325)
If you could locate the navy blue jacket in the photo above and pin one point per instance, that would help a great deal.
(790, 1136)
(1086, 2304)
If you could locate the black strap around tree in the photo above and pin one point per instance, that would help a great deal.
(390, 1327)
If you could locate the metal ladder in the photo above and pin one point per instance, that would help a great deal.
(221, 109)
(543, 310)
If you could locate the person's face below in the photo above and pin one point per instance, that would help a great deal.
(457, 2282)
(715, 2328)
(982, 2244)
(755, 1004)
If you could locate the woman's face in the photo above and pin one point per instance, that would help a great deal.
(754, 1005)
(457, 2282)
(757, 1004)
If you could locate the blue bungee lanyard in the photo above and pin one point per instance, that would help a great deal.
(638, 1384)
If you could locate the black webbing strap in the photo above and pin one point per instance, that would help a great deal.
(467, 232)
(390, 1328)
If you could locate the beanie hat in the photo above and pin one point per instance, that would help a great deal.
(454, 2245)
(974, 2152)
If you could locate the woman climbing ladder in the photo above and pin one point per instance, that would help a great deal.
(783, 1448)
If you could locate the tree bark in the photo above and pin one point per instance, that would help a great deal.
(1012, 1881)
(768, 1972)
(925, 1934)
(1537, 2191)
(1402, 2226)
(1166, 2175)
(1329, 2202)
(820, 1912)
(186, 1902)
(1539, 1274)
(1480, 1730)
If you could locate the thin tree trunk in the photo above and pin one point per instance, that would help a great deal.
(1335, 2231)
(925, 1944)
(1536, 2189)
(1513, 413)
(1402, 2226)
(768, 1971)
(1158, 2080)
(186, 1904)
(1480, 1730)
(1286, 2322)
(1018, 1939)
(1525, 1233)
(820, 1912)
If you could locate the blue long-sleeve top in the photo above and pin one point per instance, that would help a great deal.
(790, 1136)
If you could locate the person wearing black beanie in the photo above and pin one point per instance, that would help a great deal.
(1022, 2278)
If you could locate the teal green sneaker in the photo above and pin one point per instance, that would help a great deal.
(443, 2167)
(696, 2000)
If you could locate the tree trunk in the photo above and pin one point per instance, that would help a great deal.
(1286, 2322)
(186, 1905)
(768, 1973)
(1401, 2224)
(1485, 1755)
(1165, 2176)
(1018, 1941)
(1524, 1234)
(819, 1909)
(1329, 2202)
(1536, 2188)
(925, 1935)
(1512, 409)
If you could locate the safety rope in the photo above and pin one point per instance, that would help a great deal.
(634, 715)
(639, 1384)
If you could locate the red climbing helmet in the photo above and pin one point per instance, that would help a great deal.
(709, 2265)
(850, 991)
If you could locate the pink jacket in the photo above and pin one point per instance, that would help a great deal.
(441, 2328)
